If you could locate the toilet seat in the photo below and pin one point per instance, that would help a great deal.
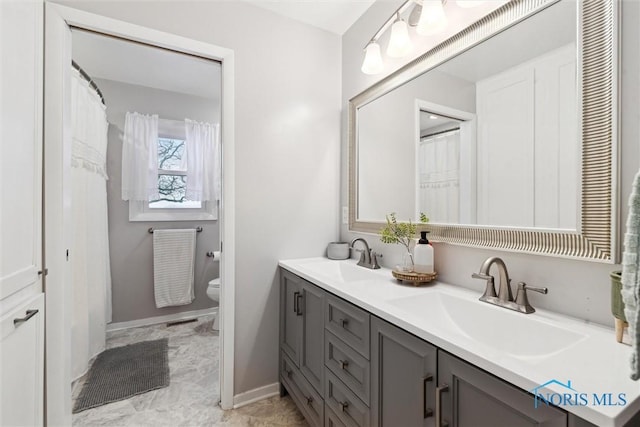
(215, 283)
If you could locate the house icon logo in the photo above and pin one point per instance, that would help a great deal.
(539, 396)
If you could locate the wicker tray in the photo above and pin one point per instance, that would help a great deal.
(413, 278)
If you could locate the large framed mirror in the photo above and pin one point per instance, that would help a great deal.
(505, 135)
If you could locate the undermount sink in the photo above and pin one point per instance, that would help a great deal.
(516, 334)
(343, 271)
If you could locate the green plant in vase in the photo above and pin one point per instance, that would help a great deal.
(402, 233)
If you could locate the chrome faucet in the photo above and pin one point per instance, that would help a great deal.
(368, 258)
(505, 297)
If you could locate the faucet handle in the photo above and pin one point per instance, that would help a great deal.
(374, 260)
(490, 290)
(482, 276)
(531, 288)
(521, 296)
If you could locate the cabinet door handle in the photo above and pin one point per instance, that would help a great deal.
(344, 406)
(427, 412)
(343, 363)
(289, 373)
(309, 400)
(295, 302)
(439, 391)
(344, 323)
(29, 315)
(298, 308)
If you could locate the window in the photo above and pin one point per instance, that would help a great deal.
(171, 203)
(172, 177)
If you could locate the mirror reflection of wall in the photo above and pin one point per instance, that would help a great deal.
(516, 165)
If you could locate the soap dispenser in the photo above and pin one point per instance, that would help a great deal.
(423, 255)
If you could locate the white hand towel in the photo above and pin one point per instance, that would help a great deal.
(173, 266)
(631, 274)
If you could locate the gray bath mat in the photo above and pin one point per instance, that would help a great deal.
(122, 372)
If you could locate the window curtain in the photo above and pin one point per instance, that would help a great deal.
(89, 253)
(439, 177)
(140, 147)
(203, 161)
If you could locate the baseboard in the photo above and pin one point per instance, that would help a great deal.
(255, 395)
(185, 315)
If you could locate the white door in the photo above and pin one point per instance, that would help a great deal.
(22, 364)
(21, 333)
(505, 148)
(21, 53)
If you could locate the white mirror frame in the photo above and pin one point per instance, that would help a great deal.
(596, 237)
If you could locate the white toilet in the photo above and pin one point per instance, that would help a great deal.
(213, 292)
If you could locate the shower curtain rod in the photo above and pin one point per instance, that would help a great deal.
(88, 79)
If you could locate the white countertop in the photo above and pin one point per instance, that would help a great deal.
(594, 363)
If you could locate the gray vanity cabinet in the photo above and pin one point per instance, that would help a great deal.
(403, 369)
(290, 321)
(471, 397)
(302, 344)
(344, 367)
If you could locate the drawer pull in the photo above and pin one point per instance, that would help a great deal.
(289, 373)
(344, 323)
(439, 391)
(344, 364)
(427, 412)
(297, 305)
(344, 406)
(29, 315)
(309, 400)
(295, 302)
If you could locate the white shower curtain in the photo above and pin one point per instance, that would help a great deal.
(439, 177)
(91, 275)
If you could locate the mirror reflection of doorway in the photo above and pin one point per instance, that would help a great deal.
(438, 160)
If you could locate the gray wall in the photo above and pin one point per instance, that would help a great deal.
(131, 246)
(576, 288)
(287, 140)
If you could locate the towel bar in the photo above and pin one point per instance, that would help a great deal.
(198, 229)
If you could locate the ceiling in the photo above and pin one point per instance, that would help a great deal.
(104, 57)
(336, 16)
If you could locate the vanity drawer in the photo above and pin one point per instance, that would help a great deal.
(307, 399)
(349, 323)
(348, 365)
(346, 405)
(331, 419)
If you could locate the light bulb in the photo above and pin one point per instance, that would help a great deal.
(372, 63)
(432, 19)
(466, 4)
(400, 42)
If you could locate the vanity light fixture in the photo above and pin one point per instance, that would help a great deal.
(372, 59)
(400, 42)
(432, 20)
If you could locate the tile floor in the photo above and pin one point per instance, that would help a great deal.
(192, 396)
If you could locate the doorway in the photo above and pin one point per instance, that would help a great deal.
(59, 52)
